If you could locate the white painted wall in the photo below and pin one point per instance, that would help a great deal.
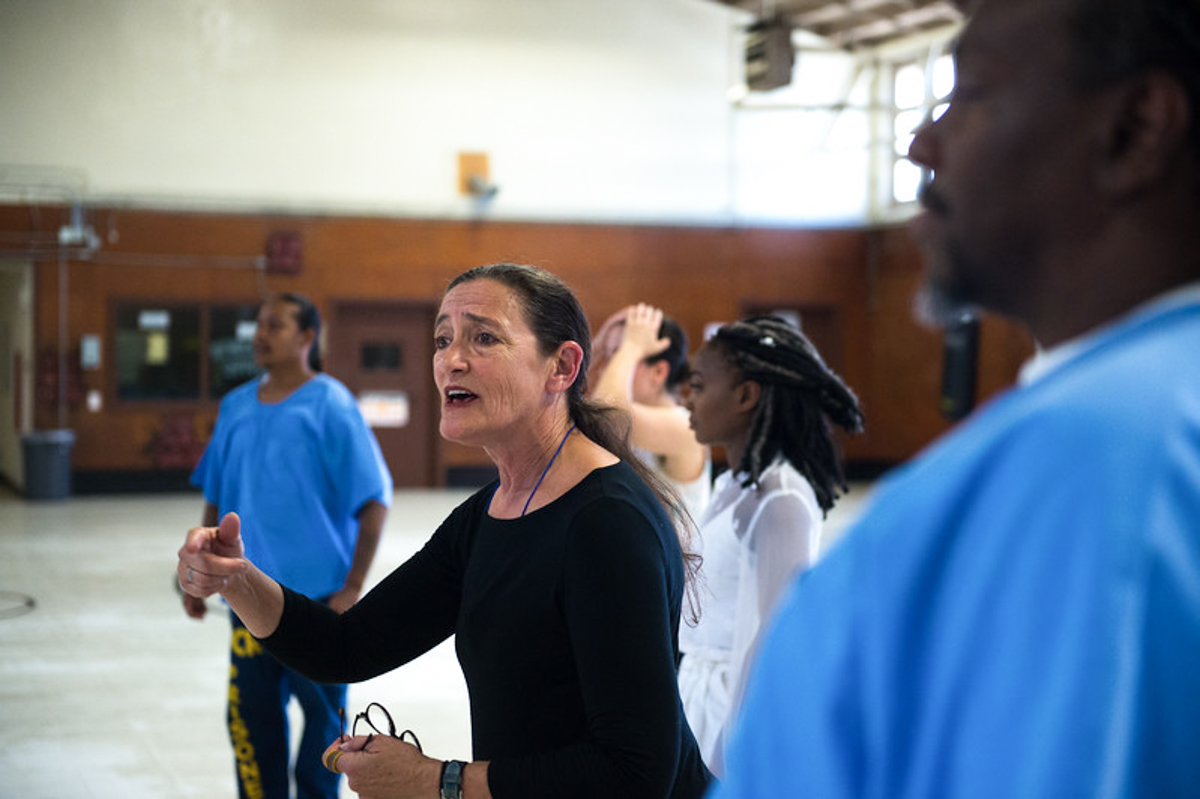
(598, 111)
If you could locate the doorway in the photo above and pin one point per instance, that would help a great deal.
(16, 366)
(383, 352)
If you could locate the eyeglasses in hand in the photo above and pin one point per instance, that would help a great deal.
(372, 718)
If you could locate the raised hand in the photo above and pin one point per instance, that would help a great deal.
(642, 323)
(209, 558)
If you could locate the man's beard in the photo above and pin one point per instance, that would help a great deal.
(943, 299)
(937, 308)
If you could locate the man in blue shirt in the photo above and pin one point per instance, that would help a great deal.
(1017, 613)
(292, 455)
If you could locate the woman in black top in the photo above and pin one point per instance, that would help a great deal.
(562, 581)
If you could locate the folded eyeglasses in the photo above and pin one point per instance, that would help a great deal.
(375, 717)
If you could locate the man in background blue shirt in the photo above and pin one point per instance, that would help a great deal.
(1017, 614)
(293, 457)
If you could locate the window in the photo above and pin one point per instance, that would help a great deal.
(379, 356)
(231, 348)
(158, 353)
(183, 352)
(920, 91)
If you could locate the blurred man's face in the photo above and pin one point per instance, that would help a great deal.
(1010, 162)
(278, 339)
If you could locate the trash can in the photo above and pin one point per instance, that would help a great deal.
(48, 463)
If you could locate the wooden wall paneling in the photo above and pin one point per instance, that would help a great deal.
(906, 358)
(697, 274)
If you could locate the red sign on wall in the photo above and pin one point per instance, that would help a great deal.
(285, 253)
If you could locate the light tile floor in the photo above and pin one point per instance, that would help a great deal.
(108, 691)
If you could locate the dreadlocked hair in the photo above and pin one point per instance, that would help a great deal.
(801, 396)
(555, 316)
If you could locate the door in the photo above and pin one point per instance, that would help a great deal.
(383, 352)
(16, 363)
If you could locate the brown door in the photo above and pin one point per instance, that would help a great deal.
(383, 352)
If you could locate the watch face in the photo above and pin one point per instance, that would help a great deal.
(452, 779)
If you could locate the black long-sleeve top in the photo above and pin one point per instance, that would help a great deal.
(566, 624)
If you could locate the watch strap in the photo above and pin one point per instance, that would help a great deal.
(451, 783)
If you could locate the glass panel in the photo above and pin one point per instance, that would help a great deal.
(379, 356)
(158, 353)
(231, 348)
(943, 77)
(906, 180)
(906, 124)
(909, 86)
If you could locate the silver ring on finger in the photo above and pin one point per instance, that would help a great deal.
(191, 574)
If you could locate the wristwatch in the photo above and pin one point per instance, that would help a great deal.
(451, 779)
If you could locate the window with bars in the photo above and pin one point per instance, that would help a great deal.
(167, 351)
(920, 91)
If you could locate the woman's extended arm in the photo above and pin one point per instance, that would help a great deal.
(212, 560)
(410, 611)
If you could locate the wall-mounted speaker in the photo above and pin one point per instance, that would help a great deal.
(960, 366)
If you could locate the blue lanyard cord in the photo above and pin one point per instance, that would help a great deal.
(553, 457)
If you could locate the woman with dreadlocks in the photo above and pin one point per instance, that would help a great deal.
(758, 389)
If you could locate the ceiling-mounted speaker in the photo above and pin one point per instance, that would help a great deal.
(770, 55)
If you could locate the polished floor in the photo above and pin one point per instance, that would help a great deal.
(108, 690)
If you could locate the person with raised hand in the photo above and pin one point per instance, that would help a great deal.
(642, 366)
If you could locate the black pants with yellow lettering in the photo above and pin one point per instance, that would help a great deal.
(259, 690)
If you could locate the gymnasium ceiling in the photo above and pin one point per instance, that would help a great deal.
(857, 24)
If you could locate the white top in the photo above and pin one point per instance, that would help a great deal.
(754, 542)
(1044, 362)
(696, 493)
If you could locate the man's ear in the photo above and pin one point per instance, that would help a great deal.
(1146, 130)
(567, 362)
(747, 395)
